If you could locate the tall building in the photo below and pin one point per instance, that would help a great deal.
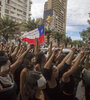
(46, 6)
(59, 8)
(18, 10)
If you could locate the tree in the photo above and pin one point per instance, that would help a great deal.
(68, 40)
(80, 43)
(8, 28)
(85, 34)
(30, 25)
(48, 33)
(58, 36)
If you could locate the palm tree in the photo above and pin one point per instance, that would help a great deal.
(68, 40)
(30, 25)
(48, 33)
(58, 36)
(8, 27)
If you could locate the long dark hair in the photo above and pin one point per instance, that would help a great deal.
(30, 86)
(40, 57)
(27, 59)
(3, 60)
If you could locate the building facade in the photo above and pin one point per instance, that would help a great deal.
(17, 10)
(59, 13)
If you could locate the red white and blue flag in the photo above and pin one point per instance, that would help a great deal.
(37, 33)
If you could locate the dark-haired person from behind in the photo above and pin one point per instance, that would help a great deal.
(31, 85)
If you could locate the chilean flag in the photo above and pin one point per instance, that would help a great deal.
(37, 33)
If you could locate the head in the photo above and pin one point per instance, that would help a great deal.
(41, 58)
(29, 60)
(34, 82)
(50, 73)
(86, 77)
(4, 64)
(3, 53)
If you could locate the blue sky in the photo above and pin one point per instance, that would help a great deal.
(77, 15)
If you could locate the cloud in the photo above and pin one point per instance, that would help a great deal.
(77, 12)
(77, 15)
(76, 28)
(73, 31)
(37, 8)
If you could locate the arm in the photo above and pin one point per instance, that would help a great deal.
(11, 49)
(67, 59)
(13, 55)
(36, 48)
(48, 63)
(14, 66)
(1, 46)
(87, 62)
(74, 67)
(49, 51)
(59, 55)
(22, 79)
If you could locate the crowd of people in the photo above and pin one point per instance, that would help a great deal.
(26, 73)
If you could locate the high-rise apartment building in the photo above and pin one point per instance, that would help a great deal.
(18, 10)
(59, 8)
(46, 6)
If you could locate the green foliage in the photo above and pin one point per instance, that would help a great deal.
(89, 22)
(85, 34)
(30, 25)
(68, 40)
(48, 33)
(59, 37)
(80, 43)
(8, 27)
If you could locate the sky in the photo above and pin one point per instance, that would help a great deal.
(77, 15)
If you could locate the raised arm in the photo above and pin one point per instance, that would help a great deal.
(48, 63)
(14, 66)
(73, 68)
(87, 62)
(13, 55)
(1, 46)
(36, 51)
(67, 59)
(59, 54)
(49, 51)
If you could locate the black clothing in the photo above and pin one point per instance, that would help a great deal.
(17, 77)
(56, 93)
(87, 92)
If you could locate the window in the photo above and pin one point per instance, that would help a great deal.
(0, 3)
(7, 1)
(24, 13)
(12, 12)
(6, 11)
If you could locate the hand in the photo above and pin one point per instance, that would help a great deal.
(65, 77)
(19, 40)
(31, 46)
(73, 49)
(54, 52)
(83, 51)
(84, 70)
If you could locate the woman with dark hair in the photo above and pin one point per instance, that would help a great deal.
(41, 60)
(31, 85)
(7, 70)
